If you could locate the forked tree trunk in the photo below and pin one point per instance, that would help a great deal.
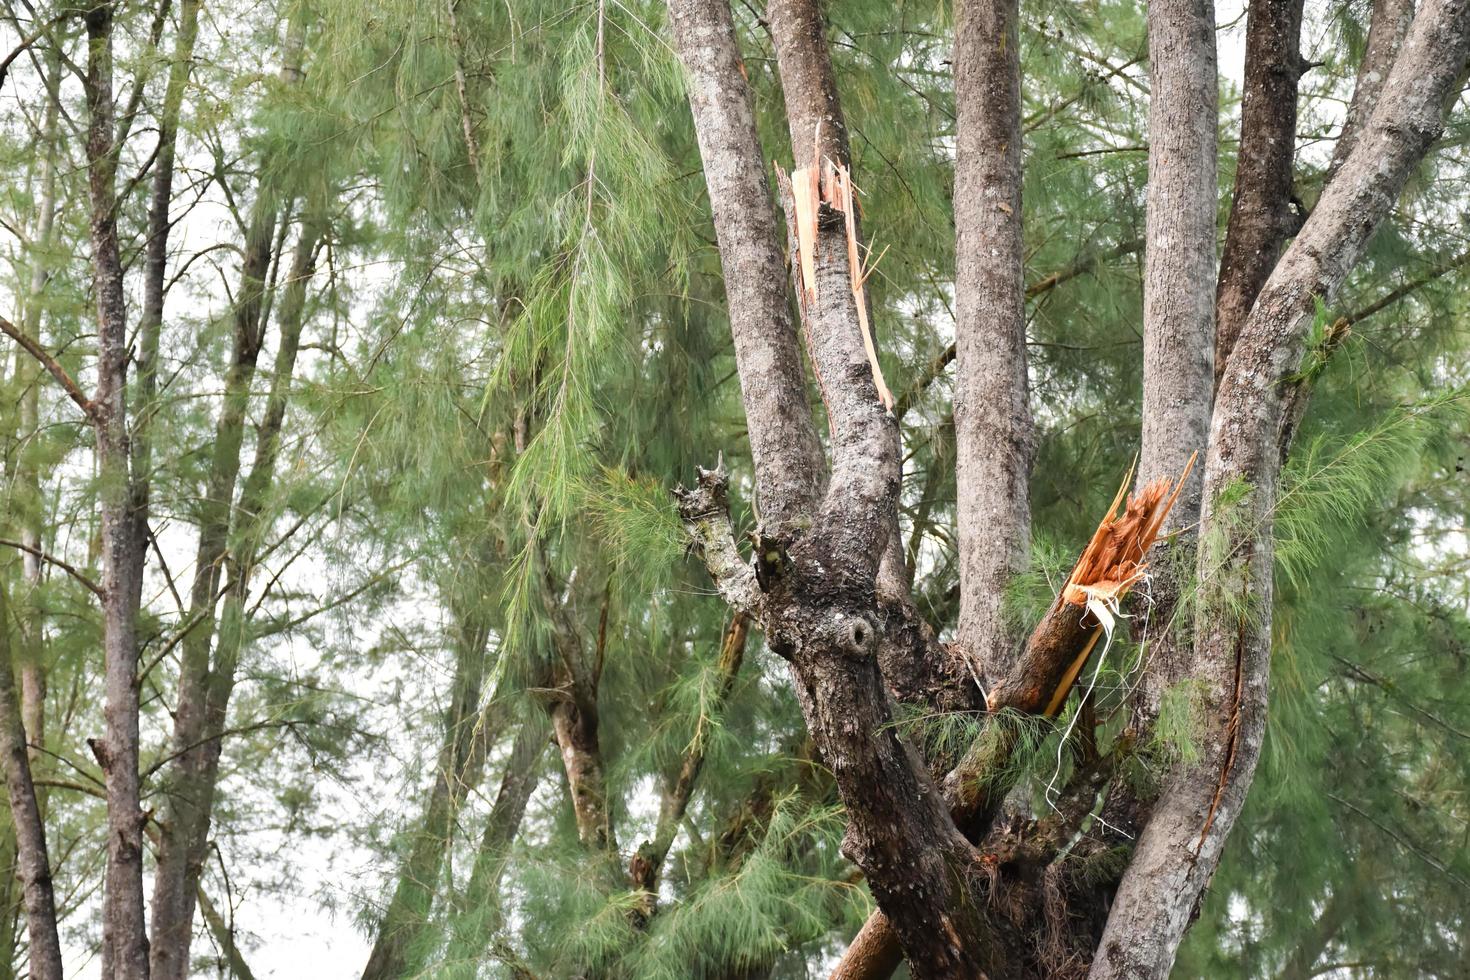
(1181, 846)
(205, 687)
(813, 590)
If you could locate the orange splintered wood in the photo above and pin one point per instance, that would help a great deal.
(829, 183)
(1113, 560)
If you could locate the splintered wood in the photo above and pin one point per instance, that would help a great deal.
(1114, 559)
(826, 183)
(1113, 562)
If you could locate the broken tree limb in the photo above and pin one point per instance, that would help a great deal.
(1038, 684)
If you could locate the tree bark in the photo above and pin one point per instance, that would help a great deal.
(1387, 26)
(992, 417)
(1261, 217)
(1179, 250)
(33, 862)
(123, 524)
(1180, 848)
(788, 458)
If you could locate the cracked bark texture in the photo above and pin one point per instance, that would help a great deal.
(1181, 846)
(992, 416)
(1261, 216)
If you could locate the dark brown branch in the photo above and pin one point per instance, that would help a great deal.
(66, 567)
(89, 409)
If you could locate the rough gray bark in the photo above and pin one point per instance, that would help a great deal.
(1178, 292)
(33, 863)
(992, 417)
(788, 457)
(205, 687)
(123, 531)
(1261, 216)
(1179, 250)
(1386, 29)
(1180, 848)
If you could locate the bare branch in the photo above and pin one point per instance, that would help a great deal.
(89, 408)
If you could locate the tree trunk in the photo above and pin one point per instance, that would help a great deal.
(992, 417)
(788, 457)
(124, 935)
(33, 862)
(1181, 846)
(1387, 27)
(478, 912)
(1261, 218)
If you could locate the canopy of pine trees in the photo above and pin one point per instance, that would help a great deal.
(706, 490)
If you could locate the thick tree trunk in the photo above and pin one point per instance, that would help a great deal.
(1180, 848)
(124, 934)
(33, 862)
(1261, 217)
(992, 417)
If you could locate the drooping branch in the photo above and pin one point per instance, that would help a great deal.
(60, 563)
(1233, 629)
(992, 417)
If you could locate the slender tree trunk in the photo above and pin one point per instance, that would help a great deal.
(788, 457)
(478, 911)
(991, 414)
(205, 688)
(185, 818)
(1387, 27)
(1180, 848)
(1179, 249)
(644, 869)
(1261, 218)
(33, 862)
(397, 947)
(124, 935)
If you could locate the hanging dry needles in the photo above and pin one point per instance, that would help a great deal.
(828, 184)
